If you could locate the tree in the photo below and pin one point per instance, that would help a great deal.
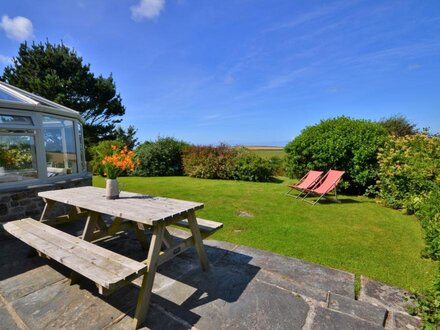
(127, 137)
(398, 125)
(57, 73)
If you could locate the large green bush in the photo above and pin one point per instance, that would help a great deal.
(408, 168)
(162, 157)
(428, 302)
(429, 214)
(98, 152)
(409, 179)
(248, 166)
(227, 163)
(339, 143)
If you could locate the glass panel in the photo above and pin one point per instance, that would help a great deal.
(18, 160)
(15, 120)
(59, 142)
(82, 148)
(9, 97)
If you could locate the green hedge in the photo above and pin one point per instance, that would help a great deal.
(409, 179)
(227, 163)
(162, 157)
(339, 143)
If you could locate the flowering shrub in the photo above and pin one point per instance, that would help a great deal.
(209, 162)
(227, 163)
(408, 169)
(121, 160)
(409, 178)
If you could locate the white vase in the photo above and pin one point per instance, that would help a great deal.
(111, 189)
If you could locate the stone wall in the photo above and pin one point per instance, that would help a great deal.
(18, 204)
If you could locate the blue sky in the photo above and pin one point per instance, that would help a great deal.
(252, 72)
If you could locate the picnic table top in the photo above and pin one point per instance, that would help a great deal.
(144, 209)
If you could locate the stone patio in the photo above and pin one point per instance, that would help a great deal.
(244, 289)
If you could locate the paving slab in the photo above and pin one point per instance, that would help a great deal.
(6, 320)
(381, 294)
(287, 283)
(157, 319)
(61, 306)
(332, 320)
(319, 277)
(405, 321)
(365, 311)
(29, 281)
(220, 298)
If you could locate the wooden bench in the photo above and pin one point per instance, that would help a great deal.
(107, 269)
(207, 227)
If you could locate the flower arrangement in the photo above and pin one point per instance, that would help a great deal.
(119, 161)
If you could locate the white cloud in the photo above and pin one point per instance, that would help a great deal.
(5, 59)
(18, 28)
(149, 9)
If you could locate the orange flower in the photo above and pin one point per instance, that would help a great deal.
(121, 160)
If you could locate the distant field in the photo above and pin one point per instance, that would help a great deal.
(264, 148)
(268, 152)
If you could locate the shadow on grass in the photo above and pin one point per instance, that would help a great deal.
(342, 200)
(275, 180)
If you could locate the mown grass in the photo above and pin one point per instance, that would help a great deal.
(357, 235)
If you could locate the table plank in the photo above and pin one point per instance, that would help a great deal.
(136, 207)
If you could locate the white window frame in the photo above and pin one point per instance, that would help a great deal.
(37, 120)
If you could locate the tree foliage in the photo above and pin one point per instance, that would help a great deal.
(127, 137)
(339, 143)
(398, 126)
(57, 73)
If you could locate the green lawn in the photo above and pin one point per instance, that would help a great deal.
(357, 235)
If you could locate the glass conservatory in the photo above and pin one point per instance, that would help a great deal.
(40, 141)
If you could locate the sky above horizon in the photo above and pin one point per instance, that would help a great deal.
(246, 72)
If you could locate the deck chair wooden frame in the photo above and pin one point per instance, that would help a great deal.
(327, 184)
(308, 181)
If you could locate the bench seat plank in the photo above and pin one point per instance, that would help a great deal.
(102, 266)
(205, 226)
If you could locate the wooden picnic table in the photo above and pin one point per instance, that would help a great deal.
(107, 269)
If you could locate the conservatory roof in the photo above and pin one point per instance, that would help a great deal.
(16, 98)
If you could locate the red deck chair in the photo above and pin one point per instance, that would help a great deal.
(325, 185)
(307, 181)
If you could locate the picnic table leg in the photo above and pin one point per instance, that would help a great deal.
(47, 208)
(139, 231)
(91, 223)
(198, 242)
(147, 282)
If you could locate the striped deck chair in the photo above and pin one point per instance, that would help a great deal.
(307, 181)
(324, 186)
